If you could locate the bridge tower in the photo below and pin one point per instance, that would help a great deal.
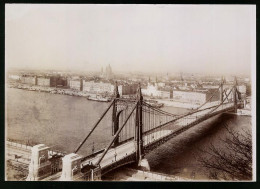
(139, 125)
(235, 95)
(143, 163)
(115, 116)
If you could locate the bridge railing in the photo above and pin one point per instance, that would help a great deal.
(18, 145)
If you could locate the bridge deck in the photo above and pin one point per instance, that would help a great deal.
(127, 149)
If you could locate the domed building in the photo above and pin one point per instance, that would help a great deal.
(109, 73)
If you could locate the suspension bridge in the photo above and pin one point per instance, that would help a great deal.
(137, 129)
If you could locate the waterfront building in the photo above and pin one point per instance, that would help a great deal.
(31, 80)
(128, 89)
(14, 77)
(76, 84)
(57, 81)
(210, 86)
(195, 97)
(98, 87)
(189, 97)
(42, 81)
(152, 90)
(164, 94)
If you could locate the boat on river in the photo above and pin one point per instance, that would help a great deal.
(99, 98)
(154, 103)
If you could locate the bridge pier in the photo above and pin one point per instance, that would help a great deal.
(71, 167)
(40, 166)
(143, 164)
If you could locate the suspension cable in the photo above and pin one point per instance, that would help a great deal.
(97, 123)
(225, 91)
(115, 136)
(159, 110)
(209, 98)
(221, 102)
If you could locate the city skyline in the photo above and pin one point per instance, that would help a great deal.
(148, 38)
(98, 92)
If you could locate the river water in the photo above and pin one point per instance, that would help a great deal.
(62, 122)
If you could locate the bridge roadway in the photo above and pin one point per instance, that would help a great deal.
(124, 150)
(191, 118)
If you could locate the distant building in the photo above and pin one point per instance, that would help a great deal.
(241, 89)
(210, 86)
(164, 94)
(189, 97)
(75, 84)
(185, 87)
(129, 89)
(161, 84)
(31, 80)
(14, 77)
(108, 73)
(98, 87)
(57, 81)
(152, 90)
(41, 81)
(195, 97)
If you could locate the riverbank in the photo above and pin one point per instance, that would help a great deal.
(171, 103)
(242, 112)
(53, 90)
(105, 98)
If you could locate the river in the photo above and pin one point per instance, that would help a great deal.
(62, 122)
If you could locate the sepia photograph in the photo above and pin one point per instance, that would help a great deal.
(130, 92)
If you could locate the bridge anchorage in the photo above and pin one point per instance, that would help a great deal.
(137, 129)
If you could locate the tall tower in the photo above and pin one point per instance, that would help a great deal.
(108, 72)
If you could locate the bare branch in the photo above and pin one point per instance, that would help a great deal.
(233, 161)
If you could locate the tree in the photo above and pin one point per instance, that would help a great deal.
(232, 161)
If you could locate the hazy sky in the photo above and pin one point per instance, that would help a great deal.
(167, 38)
